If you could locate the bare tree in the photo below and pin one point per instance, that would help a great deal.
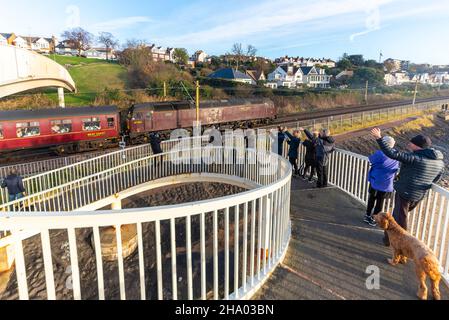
(108, 40)
(80, 38)
(251, 51)
(237, 51)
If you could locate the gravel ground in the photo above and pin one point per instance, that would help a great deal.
(86, 255)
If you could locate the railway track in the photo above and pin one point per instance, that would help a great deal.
(301, 116)
(42, 154)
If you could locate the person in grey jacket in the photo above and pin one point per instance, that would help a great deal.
(420, 168)
(13, 182)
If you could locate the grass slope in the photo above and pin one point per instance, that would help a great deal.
(91, 76)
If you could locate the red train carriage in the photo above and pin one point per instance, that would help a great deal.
(65, 130)
(166, 116)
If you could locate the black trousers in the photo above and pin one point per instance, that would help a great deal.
(294, 163)
(312, 166)
(401, 209)
(322, 171)
(376, 201)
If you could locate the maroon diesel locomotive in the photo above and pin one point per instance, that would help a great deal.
(166, 116)
(81, 129)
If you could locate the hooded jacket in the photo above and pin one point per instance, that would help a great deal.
(383, 171)
(419, 170)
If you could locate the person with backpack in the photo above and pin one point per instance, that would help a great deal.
(14, 184)
(293, 153)
(324, 146)
(421, 167)
(381, 176)
(310, 157)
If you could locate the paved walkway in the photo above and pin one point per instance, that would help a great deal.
(330, 251)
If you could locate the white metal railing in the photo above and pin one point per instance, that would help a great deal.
(362, 118)
(229, 245)
(51, 178)
(429, 222)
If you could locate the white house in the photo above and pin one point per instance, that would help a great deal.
(291, 76)
(316, 77)
(100, 53)
(397, 78)
(21, 43)
(3, 40)
(306, 62)
(66, 47)
(200, 56)
(39, 44)
(440, 78)
(162, 54)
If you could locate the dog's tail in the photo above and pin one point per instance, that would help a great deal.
(431, 267)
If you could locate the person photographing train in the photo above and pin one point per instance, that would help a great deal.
(294, 142)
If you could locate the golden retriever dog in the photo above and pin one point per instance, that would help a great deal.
(407, 246)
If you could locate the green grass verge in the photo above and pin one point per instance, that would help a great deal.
(91, 76)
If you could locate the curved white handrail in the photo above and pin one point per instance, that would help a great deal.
(265, 207)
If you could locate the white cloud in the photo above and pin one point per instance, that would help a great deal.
(120, 23)
(272, 15)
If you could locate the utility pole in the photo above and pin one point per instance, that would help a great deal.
(366, 92)
(165, 90)
(197, 102)
(416, 91)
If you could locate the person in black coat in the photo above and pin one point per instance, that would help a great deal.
(324, 146)
(310, 157)
(294, 142)
(14, 184)
(281, 139)
(155, 142)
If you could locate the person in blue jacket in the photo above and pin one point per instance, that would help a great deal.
(293, 153)
(381, 176)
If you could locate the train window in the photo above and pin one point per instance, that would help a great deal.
(91, 124)
(138, 116)
(1, 131)
(27, 129)
(61, 126)
(111, 122)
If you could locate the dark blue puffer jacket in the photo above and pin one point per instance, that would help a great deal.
(294, 144)
(419, 170)
(14, 184)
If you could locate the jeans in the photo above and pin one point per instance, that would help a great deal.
(13, 197)
(375, 201)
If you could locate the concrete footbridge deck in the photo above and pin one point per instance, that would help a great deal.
(333, 253)
(276, 238)
(24, 70)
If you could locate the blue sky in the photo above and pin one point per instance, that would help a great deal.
(406, 29)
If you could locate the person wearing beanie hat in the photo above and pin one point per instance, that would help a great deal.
(381, 175)
(420, 168)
